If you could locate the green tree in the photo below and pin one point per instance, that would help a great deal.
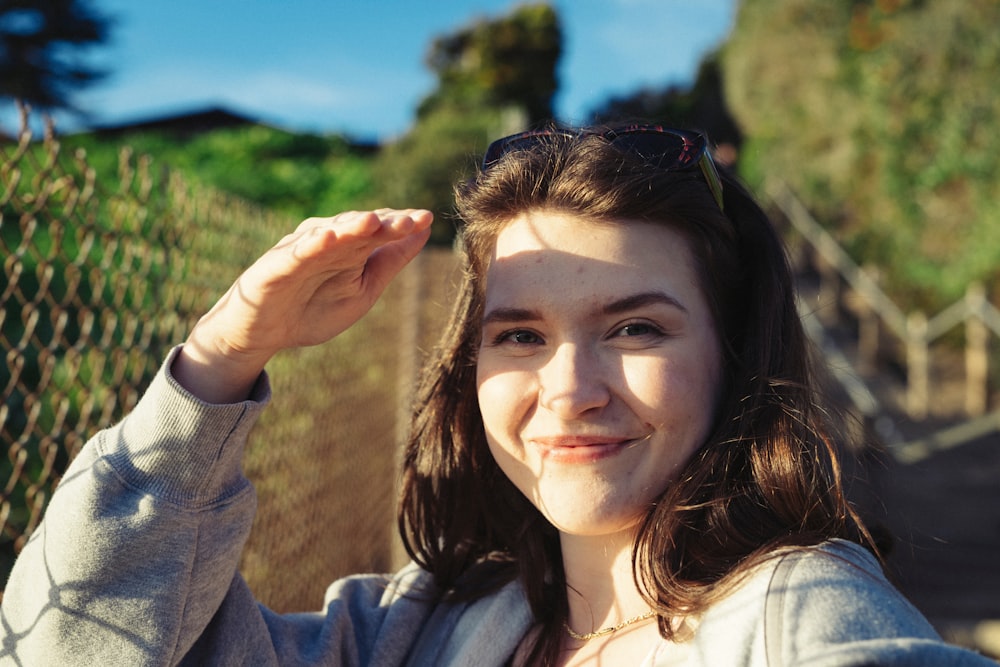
(421, 168)
(41, 43)
(884, 115)
(495, 77)
(506, 61)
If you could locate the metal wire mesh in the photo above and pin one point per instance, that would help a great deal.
(100, 281)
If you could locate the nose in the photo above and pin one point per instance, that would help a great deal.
(572, 383)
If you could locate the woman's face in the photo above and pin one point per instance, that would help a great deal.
(599, 365)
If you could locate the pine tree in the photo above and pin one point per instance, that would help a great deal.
(41, 50)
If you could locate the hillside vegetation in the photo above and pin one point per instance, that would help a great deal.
(295, 174)
(884, 116)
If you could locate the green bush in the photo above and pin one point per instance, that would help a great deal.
(884, 118)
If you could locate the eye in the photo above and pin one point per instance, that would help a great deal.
(518, 337)
(635, 329)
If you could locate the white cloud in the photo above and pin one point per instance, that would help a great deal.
(285, 90)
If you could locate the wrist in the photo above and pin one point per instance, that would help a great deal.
(215, 376)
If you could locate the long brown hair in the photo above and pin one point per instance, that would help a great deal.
(766, 477)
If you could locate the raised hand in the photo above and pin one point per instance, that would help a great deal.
(311, 286)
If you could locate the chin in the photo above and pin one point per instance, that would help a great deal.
(591, 524)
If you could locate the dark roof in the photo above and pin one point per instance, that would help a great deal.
(183, 124)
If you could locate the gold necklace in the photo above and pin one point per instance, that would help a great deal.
(607, 631)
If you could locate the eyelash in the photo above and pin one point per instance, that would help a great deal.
(651, 330)
(508, 335)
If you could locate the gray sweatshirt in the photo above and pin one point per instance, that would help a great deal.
(136, 564)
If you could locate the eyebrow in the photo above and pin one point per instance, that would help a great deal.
(507, 315)
(642, 300)
(616, 307)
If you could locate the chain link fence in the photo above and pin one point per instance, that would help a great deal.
(99, 281)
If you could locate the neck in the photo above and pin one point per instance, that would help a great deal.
(601, 588)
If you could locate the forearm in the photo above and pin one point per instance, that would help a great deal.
(140, 542)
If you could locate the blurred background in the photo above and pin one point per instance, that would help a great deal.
(149, 151)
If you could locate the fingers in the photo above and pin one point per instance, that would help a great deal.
(314, 284)
(355, 233)
(387, 222)
(388, 260)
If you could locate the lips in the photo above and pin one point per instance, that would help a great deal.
(579, 448)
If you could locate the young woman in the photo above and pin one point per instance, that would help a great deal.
(618, 455)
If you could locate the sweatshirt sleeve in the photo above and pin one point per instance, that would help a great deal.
(142, 539)
(834, 608)
(826, 606)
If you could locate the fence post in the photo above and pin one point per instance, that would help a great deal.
(828, 298)
(411, 281)
(868, 328)
(976, 352)
(917, 370)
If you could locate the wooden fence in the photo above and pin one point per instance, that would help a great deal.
(844, 285)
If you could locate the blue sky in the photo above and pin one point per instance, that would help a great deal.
(356, 66)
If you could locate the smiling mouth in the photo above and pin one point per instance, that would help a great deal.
(579, 449)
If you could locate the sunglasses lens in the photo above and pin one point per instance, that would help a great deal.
(515, 142)
(497, 150)
(660, 149)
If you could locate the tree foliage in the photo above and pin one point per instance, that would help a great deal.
(421, 168)
(506, 61)
(701, 105)
(41, 42)
(495, 77)
(884, 115)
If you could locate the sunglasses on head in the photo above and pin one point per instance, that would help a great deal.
(663, 147)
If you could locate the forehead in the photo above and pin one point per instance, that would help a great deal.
(547, 252)
(543, 229)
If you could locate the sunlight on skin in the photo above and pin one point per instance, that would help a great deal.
(311, 286)
(598, 375)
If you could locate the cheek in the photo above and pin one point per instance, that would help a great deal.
(493, 410)
(485, 389)
(680, 391)
(501, 421)
(504, 396)
(660, 384)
